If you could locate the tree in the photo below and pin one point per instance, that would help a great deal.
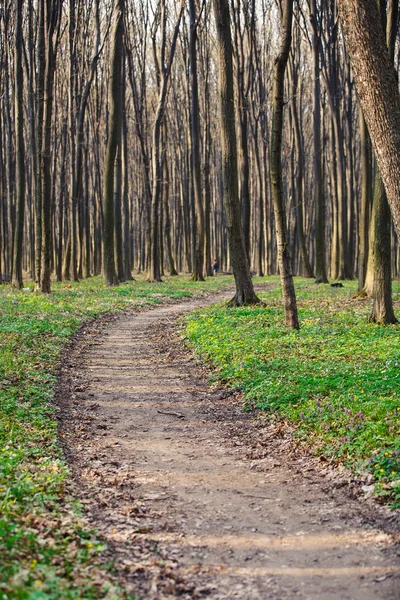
(376, 84)
(244, 286)
(366, 201)
(114, 140)
(382, 310)
(19, 126)
(299, 149)
(157, 167)
(243, 69)
(284, 261)
(198, 265)
(52, 13)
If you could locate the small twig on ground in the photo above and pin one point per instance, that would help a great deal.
(171, 414)
(251, 496)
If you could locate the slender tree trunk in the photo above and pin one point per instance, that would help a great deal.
(298, 187)
(382, 310)
(351, 242)
(127, 259)
(41, 59)
(61, 205)
(118, 214)
(207, 185)
(87, 220)
(52, 13)
(368, 289)
(155, 255)
(244, 286)
(284, 261)
(110, 276)
(71, 257)
(198, 264)
(167, 222)
(20, 149)
(320, 243)
(366, 200)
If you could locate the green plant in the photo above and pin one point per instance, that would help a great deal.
(337, 379)
(46, 551)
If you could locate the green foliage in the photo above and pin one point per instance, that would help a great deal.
(45, 551)
(337, 379)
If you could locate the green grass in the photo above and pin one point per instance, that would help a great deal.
(337, 379)
(46, 551)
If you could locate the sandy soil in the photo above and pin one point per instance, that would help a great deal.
(197, 499)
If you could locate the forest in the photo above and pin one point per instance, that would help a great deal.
(111, 157)
(199, 293)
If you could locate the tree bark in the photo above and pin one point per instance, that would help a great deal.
(20, 149)
(244, 286)
(41, 58)
(198, 263)
(298, 187)
(114, 137)
(52, 16)
(127, 258)
(382, 310)
(376, 84)
(155, 258)
(366, 201)
(284, 261)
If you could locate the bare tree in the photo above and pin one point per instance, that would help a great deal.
(164, 73)
(19, 126)
(52, 12)
(198, 266)
(114, 140)
(284, 261)
(244, 286)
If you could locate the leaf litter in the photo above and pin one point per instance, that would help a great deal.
(216, 503)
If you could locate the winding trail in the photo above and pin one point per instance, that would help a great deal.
(197, 499)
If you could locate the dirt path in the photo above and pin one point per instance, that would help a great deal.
(192, 498)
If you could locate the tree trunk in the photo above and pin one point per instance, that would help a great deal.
(41, 59)
(244, 286)
(118, 213)
(155, 257)
(320, 243)
(284, 261)
(198, 263)
(71, 257)
(376, 84)
(20, 149)
(366, 201)
(52, 14)
(127, 258)
(382, 310)
(298, 187)
(110, 276)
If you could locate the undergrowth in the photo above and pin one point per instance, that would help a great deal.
(337, 379)
(46, 550)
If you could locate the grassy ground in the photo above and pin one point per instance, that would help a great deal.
(46, 551)
(337, 379)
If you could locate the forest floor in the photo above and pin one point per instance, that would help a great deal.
(47, 549)
(196, 498)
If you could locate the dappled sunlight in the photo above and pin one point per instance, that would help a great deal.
(281, 542)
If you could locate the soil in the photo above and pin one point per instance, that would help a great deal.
(196, 498)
